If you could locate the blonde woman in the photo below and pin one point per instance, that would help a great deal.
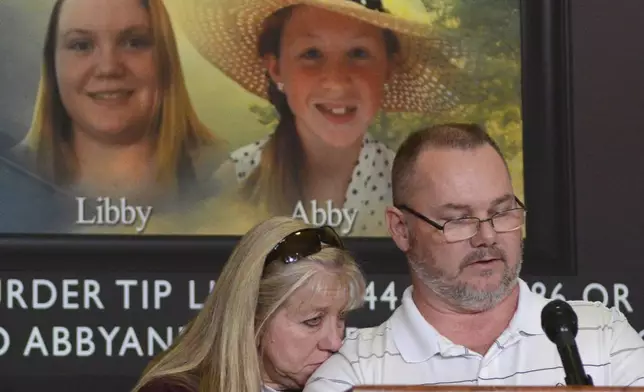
(328, 67)
(112, 115)
(276, 313)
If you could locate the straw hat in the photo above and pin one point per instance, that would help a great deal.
(226, 33)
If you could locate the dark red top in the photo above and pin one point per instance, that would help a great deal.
(168, 386)
(161, 386)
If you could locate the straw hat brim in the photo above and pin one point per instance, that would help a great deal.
(226, 32)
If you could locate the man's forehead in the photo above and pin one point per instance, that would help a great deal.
(446, 161)
(449, 173)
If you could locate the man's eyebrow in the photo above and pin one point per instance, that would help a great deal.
(502, 199)
(456, 206)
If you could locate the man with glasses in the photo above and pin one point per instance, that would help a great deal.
(468, 319)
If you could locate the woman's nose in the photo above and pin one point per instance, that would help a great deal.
(332, 340)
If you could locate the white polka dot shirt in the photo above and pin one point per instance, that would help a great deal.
(367, 195)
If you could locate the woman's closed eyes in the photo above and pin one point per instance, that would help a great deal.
(314, 322)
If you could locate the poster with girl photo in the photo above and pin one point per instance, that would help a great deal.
(311, 99)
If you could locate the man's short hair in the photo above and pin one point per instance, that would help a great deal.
(459, 136)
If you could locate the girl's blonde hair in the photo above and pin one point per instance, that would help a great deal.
(176, 126)
(219, 350)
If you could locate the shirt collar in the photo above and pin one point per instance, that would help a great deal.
(415, 338)
(418, 341)
(372, 156)
(368, 153)
(527, 318)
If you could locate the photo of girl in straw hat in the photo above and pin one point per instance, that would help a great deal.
(328, 67)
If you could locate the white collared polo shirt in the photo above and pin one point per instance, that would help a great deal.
(407, 350)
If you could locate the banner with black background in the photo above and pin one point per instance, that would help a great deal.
(111, 323)
(609, 237)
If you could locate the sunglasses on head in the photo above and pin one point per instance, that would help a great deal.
(304, 243)
(375, 5)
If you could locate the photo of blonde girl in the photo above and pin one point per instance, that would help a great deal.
(112, 116)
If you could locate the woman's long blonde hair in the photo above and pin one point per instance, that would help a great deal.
(219, 350)
(177, 127)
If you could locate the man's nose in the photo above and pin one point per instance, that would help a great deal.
(486, 234)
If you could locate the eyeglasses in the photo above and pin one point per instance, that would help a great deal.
(303, 243)
(461, 229)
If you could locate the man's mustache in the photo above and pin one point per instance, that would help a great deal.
(483, 253)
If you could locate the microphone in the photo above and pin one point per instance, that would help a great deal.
(559, 322)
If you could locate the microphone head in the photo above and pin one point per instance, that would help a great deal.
(558, 319)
